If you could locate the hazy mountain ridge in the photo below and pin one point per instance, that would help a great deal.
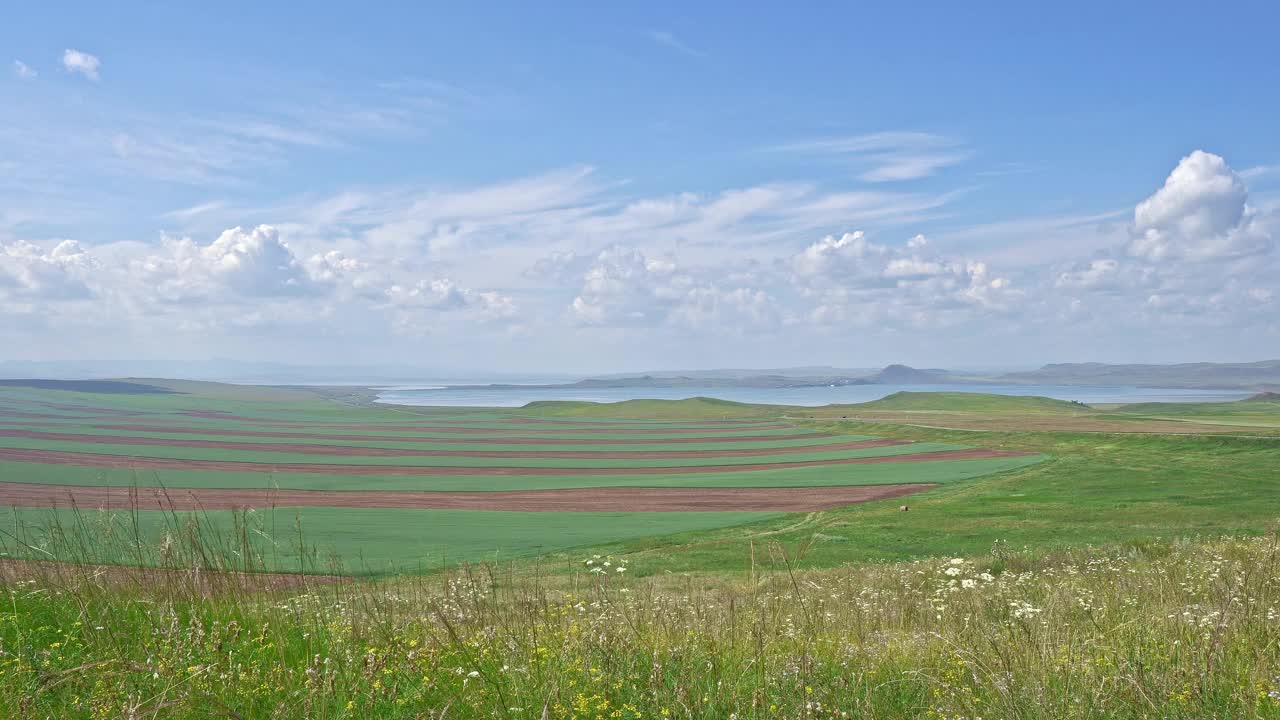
(1263, 375)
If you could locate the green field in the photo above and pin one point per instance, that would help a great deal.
(1128, 566)
(706, 434)
(1078, 487)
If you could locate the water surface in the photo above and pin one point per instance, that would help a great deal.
(481, 396)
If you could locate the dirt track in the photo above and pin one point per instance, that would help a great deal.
(452, 440)
(58, 457)
(360, 451)
(632, 499)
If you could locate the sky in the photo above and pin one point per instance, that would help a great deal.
(591, 187)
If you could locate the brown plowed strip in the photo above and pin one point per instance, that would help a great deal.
(360, 451)
(59, 457)
(92, 409)
(21, 414)
(452, 440)
(630, 499)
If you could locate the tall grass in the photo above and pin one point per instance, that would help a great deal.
(1170, 629)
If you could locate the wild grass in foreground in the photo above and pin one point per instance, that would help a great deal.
(1170, 629)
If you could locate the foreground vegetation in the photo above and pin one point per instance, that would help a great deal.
(1130, 574)
(1172, 629)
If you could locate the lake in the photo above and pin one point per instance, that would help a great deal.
(479, 396)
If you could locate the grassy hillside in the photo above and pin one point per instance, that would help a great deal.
(690, 408)
(1091, 582)
(1261, 374)
(1164, 629)
(1261, 410)
(965, 402)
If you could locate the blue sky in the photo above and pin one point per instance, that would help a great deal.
(600, 186)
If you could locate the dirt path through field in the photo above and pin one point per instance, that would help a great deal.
(631, 499)
(59, 457)
(360, 451)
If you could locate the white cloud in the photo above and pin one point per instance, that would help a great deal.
(1197, 253)
(418, 304)
(664, 37)
(908, 166)
(887, 156)
(1201, 213)
(29, 271)
(82, 63)
(850, 254)
(1102, 273)
(564, 260)
(624, 288)
(188, 213)
(850, 279)
(237, 265)
(24, 71)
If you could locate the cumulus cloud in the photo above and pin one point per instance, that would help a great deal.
(624, 288)
(845, 259)
(29, 271)
(1197, 251)
(1201, 213)
(81, 63)
(24, 71)
(1100, 274)
(852, 279)
(239, 264)
(445, 295)
(691, 268)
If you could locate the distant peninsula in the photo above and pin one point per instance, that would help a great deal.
(1263, 376)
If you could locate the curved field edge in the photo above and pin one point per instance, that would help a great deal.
(355, 541)
(409, 442)
(868, 474)
(355, 458)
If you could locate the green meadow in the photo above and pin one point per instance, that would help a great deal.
(1108, 574)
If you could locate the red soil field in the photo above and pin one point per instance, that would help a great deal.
(58, 457)
(358, 451)
(634, 499)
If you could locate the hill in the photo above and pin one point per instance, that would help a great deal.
(970, 403)
(906, 375)
(696, 407)
(1263, 374)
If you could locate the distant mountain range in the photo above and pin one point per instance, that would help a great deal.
(1261, 376)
